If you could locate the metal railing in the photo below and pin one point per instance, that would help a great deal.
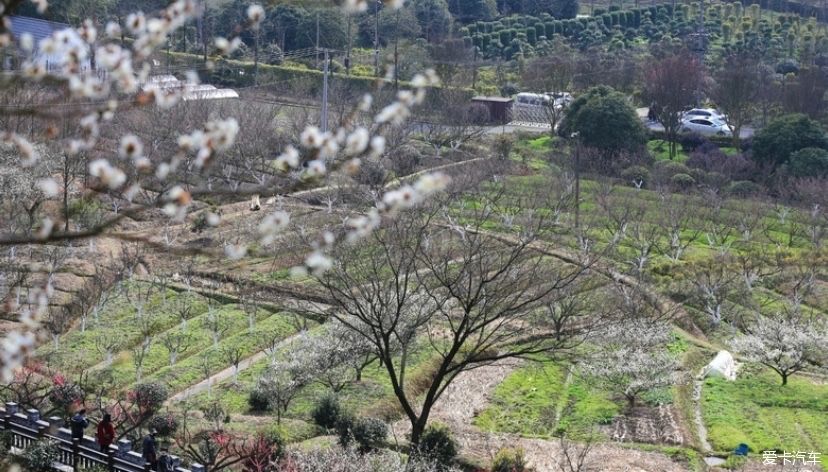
(74, 454)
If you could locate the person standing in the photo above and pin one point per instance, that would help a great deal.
(78, 423)
(106, 432)
(149, 451)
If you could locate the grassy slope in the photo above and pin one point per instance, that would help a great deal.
(756, 410)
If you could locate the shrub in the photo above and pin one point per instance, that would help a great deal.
(682, 180)
(691, 141)
(736, 167)
(438, 445)
(368, 433)
(665, 170)
(636, 175)
(258, 399)
(64, 395)
(743, 188)
(327, 412)
(149, 396)
(39, 456)
(774, 144)
(509, 459)
(808, 162)
(166, 425)
(6, 439)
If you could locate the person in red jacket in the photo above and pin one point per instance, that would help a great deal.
(106, 432)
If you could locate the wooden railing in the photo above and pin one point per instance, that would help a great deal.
(27, 428)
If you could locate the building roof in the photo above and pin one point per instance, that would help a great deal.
(39, 29)
(492, 99)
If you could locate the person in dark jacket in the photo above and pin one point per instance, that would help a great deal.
(165, 462)
(149, 450)
(106, 432)
(78, 423)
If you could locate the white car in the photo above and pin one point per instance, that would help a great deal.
(707, 113)
(535, 101)
(705, 127)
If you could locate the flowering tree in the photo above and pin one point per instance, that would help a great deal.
(118, 83)
(787, 343)
(632, 358)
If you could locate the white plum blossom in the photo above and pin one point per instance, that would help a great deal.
(355, 6)
(357, 142)
(130, 147)
(318, 263)
(29, 156)
(113, 30)
(136, 22)
(109, 175)
(49, 187)
(271, 225)
(287, 160)
(315, 169)
(235, 251)
(312, 137)
(255, 14)
(394, 113)
(27, 42)
(377, 146)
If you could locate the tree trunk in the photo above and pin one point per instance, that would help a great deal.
(784, 378)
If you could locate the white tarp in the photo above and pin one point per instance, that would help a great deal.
(722, 365)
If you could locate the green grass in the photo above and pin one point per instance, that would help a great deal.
(535, 401)
(661, 151)
(758, 411)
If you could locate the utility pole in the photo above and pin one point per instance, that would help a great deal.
(348, 52)
(396, 50)
(324, 124)
(376, 38)
(317, 39)
(576, 137)
(256, 57)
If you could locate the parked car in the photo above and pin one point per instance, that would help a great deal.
(707, 113)
(534, 101)
(705, 127)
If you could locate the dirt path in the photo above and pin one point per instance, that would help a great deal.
(222, 375)
(469, 394)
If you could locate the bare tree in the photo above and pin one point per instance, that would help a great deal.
(139, 355)
(575, 455)
(713, 281)
(176, 344)
(681, 223)
(672, 85)
(471, 296)
(735, 92)
(216, 322)
(233, 355)
(552, 74)
(107, 342)
(206, 367)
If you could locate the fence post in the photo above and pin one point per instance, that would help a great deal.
(110, 459)
(75, 453)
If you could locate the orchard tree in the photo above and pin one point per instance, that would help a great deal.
(631, 357)
(786, 343)
(671, 85)
(475, 298)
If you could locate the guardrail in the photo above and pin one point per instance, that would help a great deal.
(27, 428)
